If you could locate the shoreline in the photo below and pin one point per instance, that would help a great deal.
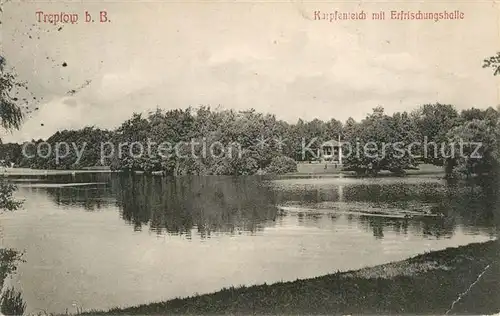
(425, 170)
(460, 280)
(45, 172)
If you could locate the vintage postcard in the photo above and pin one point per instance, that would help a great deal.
(249, 157)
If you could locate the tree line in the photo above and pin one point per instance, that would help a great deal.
(261, 143)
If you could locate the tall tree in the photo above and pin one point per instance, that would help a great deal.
(432, 123)
(380, 142)
(11, 302)
(10, 113)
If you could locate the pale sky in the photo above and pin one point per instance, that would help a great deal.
(271, 56)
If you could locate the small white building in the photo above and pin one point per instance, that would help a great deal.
(331, 151)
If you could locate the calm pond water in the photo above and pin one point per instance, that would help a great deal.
(126, 240)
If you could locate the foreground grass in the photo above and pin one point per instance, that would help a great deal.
(425, 284)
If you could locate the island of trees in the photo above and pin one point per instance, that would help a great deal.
(269, 145)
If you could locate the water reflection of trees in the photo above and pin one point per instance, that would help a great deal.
(209, 204)
(427, 227)
(232, 205)
(473, 205)
(384, 193)
(91, 197)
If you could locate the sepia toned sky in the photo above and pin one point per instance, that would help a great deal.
(271, 56)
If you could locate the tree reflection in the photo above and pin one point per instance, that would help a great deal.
(474, 205)
(91, 198)
(207, 204)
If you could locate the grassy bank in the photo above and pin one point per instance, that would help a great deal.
(425, 284)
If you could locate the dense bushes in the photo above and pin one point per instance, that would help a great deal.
(281, 165)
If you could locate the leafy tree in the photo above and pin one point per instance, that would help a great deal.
(7, 201)
(11, 301)
(281, 165)
(10, 118)
(380, 142)
(86, 141)
(477, 114)
(475, 148)
(493, 62)
(10, 113)
(478, 137)
(432, 122)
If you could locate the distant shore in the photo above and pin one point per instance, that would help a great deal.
(43, 172)
(462, 280)
(303, 169)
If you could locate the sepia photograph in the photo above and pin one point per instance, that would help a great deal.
(213, 157)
